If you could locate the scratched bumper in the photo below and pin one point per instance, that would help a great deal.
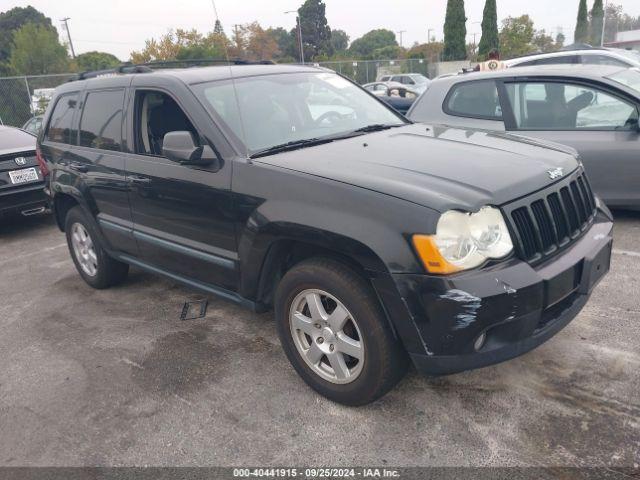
(516, 306)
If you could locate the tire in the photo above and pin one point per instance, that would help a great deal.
(94, 265)
(355, 381)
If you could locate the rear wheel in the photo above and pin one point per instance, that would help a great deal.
(335, 334)
(93, 263)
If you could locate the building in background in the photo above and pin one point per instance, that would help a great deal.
(629, 40)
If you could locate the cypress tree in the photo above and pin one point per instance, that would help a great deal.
(582, 27)
(597, 20)
(490, 39)
(455, 31)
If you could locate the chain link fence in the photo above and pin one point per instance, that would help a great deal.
(24, 97)
(27, 96)
(367, 71)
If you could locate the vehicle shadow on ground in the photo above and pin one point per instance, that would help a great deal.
(17, 226)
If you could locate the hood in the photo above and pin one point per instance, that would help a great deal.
(439, 167)
(13, 140)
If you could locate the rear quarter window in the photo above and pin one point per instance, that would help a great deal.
(477, 99)
(101, 122)
(60, 128)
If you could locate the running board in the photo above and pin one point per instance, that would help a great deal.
(203, 287)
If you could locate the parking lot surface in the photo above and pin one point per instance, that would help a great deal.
(115, 378)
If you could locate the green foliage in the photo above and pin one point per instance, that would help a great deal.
(516, 36)
(365, 46)
(286, 42)
(582, 26)
(597, 17)
(96, 61)
(316, 34)
(618, 21)
(37, 51)
(545, 43)
(339, 40)
(218, 29)
(490, 39)
(455, 31)
(11, 21)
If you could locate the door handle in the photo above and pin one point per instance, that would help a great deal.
(78, 167)
(139, 180)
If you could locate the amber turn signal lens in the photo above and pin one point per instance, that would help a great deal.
(432, 260)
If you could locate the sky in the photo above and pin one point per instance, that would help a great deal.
(120, 26)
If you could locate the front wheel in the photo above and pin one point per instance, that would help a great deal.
(335, 334)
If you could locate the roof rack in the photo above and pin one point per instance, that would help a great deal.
(149, 67)
(121, 70)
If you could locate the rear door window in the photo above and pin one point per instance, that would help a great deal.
(101, 122)
(474, 100)
(565, 106)
(61, 128)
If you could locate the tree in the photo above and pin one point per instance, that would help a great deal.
(260, 45)
(339, 40)
(96, 61)
(597, 19)
(37, 51)
(490, 39)
(544, 43)
(516, 36)
(183, 45)
(560, 39)
(455, 31)
(10, 22)
(286, 43)
(316, 34)
(618, 21)
(364, 46)
(582, 26)
(217, 29)
(431, 51)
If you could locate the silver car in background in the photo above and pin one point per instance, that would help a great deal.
(614, 57)
(594, 109)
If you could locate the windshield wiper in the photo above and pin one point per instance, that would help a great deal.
(290, 146)
(377, 127)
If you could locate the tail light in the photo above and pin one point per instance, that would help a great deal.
(41, 163)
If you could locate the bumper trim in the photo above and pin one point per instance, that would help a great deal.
(445, 365)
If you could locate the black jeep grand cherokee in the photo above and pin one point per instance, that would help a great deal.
(374, 240)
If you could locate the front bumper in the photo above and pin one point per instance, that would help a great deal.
(23, 200)
(516, 306)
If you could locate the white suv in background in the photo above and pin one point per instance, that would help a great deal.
(413, 81)
(616, 57)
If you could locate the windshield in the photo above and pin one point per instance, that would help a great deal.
(419, 79)
(273, 110)
(630, 54)
(630, 78)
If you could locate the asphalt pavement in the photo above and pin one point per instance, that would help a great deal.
(115, 378)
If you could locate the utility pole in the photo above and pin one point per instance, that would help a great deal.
(66, 26)
(604, 22)
(400, 33)
(299, 25)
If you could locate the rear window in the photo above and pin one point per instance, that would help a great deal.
(101, 122)
(475, 100)
(61, 123)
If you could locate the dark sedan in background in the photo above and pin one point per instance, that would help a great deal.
(593, 109)
(21, 177)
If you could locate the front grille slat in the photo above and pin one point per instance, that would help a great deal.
(553, 218)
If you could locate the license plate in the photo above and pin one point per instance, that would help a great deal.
(23, 176)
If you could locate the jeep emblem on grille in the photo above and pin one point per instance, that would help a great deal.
(556, 173)
(20, 160)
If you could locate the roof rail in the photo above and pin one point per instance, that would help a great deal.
(148, 67)
(121, 70)
(206, 61)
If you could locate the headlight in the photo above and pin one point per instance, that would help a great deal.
(464, 240)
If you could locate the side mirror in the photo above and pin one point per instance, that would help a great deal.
(181, 147)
